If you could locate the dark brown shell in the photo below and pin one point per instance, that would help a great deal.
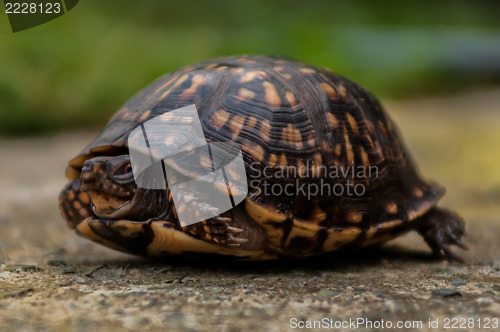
(287, 114)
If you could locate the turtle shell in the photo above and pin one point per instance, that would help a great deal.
(298, 122)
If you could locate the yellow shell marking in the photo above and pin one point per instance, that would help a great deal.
(265, 130)
(161, 88)
(391, 208)
(337, 149)
(219, 118)
(237, 70)
(348, 148)
(250, 76)
(372, 239)
(330, 91)
(282, 72)
(290, 98)
(266, 217)
(256, 151)
(425, 206)
(364, 157)
(272, 160)
(318, 215)
(236, 125)
(301, 229)
(272, 95)
(366, 163)
(251, 121)
(233, 171)
(145, 115)
(311, 141)
(246, 94)
(418, 192)
(326, 146)
(318, 160)
(205, 161)
(378, 239)
(370, 141)
(178, 82)
(343, 92)
(292, 135)
(332, 120)
(352, 123)
(336, 239)
(195, 83)
(379, 150)
(382, 128)
(307, 70)
(354, 217)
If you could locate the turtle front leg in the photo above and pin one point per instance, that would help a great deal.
(233, 228)
(441, 229)
(217, 230)
(74, 204)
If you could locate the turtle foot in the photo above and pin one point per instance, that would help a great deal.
(442, 229)
(218, 230)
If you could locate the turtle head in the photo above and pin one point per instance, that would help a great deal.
(110, 183)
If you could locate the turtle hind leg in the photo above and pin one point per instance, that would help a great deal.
(234, 229)
(441, 229)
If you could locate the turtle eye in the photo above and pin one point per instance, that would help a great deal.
(127, 168)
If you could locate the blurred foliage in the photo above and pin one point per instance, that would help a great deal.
(78, 69)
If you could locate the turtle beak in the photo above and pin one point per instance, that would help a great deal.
(93, 172)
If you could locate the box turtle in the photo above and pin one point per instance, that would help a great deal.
(301, 128)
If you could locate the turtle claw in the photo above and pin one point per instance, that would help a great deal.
(460, 244)
(225, 234)
(223, 219)
(217, 230)
(234, 241)
(229, 241)
(234, 230)
(450, 256)
(237, 240)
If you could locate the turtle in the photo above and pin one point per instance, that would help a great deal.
(298, 127)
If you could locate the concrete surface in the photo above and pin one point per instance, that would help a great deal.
(51, 280)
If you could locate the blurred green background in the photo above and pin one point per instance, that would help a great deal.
(77, 70)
